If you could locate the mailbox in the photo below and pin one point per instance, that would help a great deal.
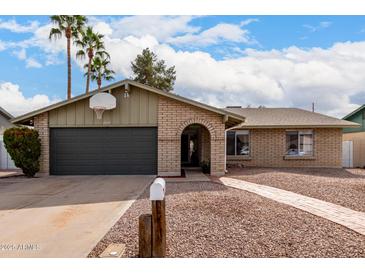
(157, 190)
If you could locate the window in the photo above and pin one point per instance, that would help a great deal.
(299, 143)
(238, 142)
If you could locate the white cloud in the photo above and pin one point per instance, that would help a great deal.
(161, 27)
(40, 39)
(219, 33)
(103, 28)
(291, 77)
(14, 101)
(2, 45)
(248, 21)
(32, 63)
(20, 54)
(325, 24)
(321, 25)
(13, 26)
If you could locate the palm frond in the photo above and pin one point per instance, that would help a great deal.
(55, 33)
(80, 54)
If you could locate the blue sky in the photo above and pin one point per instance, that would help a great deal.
(277, 61)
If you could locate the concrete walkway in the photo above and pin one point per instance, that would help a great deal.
(191, 175)
(6, 173)
(349, 218)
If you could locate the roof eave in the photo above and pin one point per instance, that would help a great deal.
(301, 126)
(6, 114)
(353, 112)
(186, 100)
(26, 117)
(31, 114)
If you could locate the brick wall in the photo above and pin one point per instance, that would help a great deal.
(205, 145)
(41, 125)
(173, 117)
(268, 147)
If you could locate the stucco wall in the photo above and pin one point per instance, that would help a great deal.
(268, 147)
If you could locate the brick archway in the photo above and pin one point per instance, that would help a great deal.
(203, 135)
(173, 118)
(198, 121)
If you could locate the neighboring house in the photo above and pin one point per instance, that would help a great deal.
(156, 132)
(5, 160)
(286, 137)
(356, 136)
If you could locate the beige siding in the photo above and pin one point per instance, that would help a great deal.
(80, 113)
(140, 109)
(358, 141)
(152, 109)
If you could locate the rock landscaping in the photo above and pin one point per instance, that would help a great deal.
(345, 187)
(206, 219)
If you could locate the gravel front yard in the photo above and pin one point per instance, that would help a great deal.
(210, 220)
(344, 187)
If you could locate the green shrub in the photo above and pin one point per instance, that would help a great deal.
(24, 147)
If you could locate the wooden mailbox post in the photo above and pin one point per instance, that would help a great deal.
(152, 229)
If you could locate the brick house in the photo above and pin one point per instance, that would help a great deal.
(156, 132)
(286, 137)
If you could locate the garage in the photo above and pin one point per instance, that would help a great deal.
(103, 151)
(126, 128)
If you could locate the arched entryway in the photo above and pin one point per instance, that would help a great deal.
(196, 147)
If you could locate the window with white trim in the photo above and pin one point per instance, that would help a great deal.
(238, 142)
(299, 143)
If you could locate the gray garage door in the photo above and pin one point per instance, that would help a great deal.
(92, 151)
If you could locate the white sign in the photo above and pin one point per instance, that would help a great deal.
(157, 189)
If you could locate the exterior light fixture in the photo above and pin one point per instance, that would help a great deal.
(126, 91)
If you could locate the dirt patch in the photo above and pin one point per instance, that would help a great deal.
(210, 220)
(344, 187)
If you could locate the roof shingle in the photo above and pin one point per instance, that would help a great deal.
(287, 117)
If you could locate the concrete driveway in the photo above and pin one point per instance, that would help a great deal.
(62, 216)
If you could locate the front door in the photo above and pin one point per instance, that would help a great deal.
(189, 149)
(184, 149)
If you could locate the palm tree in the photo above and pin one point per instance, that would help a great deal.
(69, 26)
(100, 71)
(91, 44)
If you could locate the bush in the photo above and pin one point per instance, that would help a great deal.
(205, 165)
(24, 147)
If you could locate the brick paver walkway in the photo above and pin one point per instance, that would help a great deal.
(349, 218)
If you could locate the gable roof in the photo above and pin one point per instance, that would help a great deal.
(287, 118)
(354, 112)
(6, 114)
(236, 118)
